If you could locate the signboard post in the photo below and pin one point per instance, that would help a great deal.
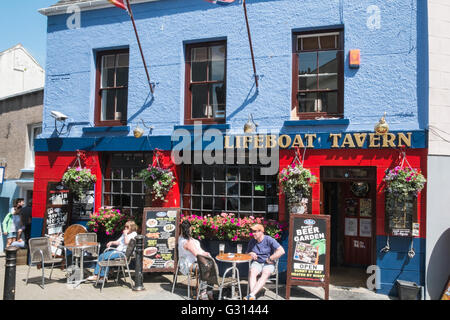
(160, 228)
(309, 252)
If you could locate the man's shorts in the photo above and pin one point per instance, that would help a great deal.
(262, 266)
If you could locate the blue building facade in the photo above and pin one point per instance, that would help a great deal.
(392, 78)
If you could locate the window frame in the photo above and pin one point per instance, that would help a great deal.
(98, 90)
(340, 80)
(188, 93)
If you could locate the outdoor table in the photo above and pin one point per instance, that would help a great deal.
(83, 246)
(234, 259)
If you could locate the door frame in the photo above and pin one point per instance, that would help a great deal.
(372, 179)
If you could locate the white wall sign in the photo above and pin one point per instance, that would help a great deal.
(351, 226)
(2, 174)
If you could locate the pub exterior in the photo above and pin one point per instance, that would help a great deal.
(327, 72)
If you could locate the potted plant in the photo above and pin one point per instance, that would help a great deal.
(78, 180)
(158, 180)
(108, 223)
(295, 182)
(404, 183)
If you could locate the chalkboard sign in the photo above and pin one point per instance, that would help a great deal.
(309, 252)
(160, 228)
(57, 211)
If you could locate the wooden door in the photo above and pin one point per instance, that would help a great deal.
(358, 203)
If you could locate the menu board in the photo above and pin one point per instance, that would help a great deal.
(160, 228)
(83, 208)
(400, 216)
(309, 252)
(57, 209)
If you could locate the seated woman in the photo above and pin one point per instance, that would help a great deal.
(188, 249)
(129, 232)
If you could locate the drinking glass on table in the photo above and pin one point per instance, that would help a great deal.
(221, 248)
(239, 248)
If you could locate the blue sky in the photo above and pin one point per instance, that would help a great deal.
(20, 22)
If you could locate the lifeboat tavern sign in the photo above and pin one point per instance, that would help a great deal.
(414, 139)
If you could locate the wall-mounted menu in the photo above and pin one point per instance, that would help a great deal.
(83, 208)
(57, 209)
(160, 228)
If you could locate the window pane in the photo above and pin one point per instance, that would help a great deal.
(122, 60)
(217, 100)
(233, 203)
(122, 70)
(246, 189)
(232, 188)
(259, 205)
(199, 57)
(207, 203)
(108, 65)
(122, 101)
(310, 43)
(307, 70)
(329, 101)
(306, 102)
(328, 70)
(219, 204)
(197, 188)
(246, 204)
(328, 42)
(220, 188)
(200, 101)
(108, 105)
(207, 188)
(217, 63)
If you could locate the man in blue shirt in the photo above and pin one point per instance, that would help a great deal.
(264, 251)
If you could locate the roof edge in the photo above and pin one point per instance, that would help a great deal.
(84, 6)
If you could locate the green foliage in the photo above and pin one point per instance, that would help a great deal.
(158, 180)
(78, 180)
(295, 179)
(404, 182)
(108, 221)
(228, 227)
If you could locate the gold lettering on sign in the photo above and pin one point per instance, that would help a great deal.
(348, 140)
(336, 137)
(281, 142)
(403, 139)
(271, 141)
(227, 143)
(259, 140)
(310, 138)
(247, 140)
(238, 142)
(298, 142)
(360, 138)
(388, 140)
(374, 140)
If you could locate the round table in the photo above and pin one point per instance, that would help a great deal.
(234, 258)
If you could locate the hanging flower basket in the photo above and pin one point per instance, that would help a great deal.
(78, 180)
(158, 180)
(404, 182)
(296, 182)
(107, 221)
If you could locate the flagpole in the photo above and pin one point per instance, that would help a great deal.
(139, 43)
(250, 42)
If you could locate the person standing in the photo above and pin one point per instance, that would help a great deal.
(264, 251)
(10, 221)
(26, 215)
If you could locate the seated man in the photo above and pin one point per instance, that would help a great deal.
(264, 251)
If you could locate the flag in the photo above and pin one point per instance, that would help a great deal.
(119, 4)
(222, 2)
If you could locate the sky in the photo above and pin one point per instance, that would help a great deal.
(20, 22)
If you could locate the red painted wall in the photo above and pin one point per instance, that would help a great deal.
(50, 167)
(382, 159)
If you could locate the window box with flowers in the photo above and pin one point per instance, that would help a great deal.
(158, 181)
(79, 180)
(296, 182)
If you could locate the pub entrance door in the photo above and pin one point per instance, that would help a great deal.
(348, 195)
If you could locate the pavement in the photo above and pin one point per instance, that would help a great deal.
(158, 286)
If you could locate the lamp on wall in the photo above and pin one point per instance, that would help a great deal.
(139, 132)
(59, 117)
(250, 125)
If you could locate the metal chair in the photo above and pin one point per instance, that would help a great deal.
(209, 276)
(193, 271)
(273, 276)
(121, 262)
(69, 237)
(41, 253)
(87, 237)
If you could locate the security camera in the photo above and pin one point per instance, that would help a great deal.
(58, 116)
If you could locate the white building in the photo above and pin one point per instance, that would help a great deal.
(438, 189)
(20, 72)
